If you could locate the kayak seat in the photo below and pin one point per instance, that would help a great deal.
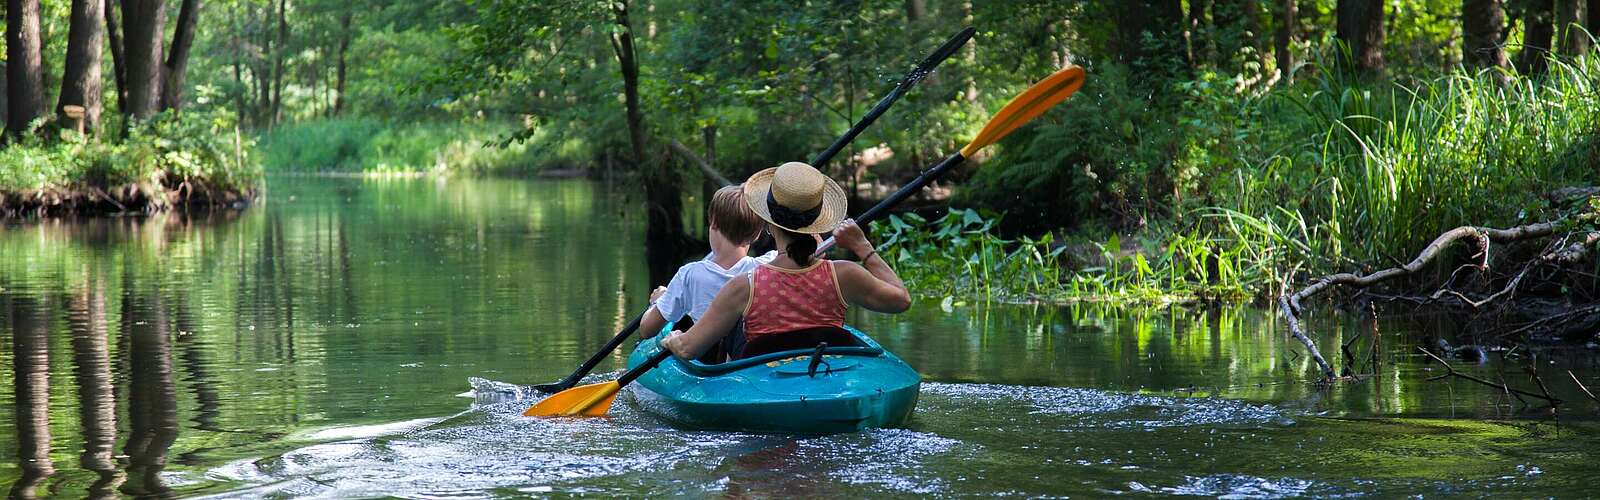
(775, 347)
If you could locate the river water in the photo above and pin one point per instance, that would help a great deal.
(325, 344)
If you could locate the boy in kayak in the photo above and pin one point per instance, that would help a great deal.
(733, 228)
(795, 295)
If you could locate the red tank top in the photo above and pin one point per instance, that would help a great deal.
(785, 300)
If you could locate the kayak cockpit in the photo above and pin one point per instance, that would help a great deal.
(841, 342)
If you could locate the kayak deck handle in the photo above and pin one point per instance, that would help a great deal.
(816, 359)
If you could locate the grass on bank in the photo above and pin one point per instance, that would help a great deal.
(167, 149)
(375, 146)
(1267, 187)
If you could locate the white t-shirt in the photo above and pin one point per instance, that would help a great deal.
(696, 283)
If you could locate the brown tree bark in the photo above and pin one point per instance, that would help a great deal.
(1569, 27)
(916, 10)
(1283, 39)
(344, 46)
(665, 239)
(80, 78)
(178, 58)
(1484, 31)
(119, 68)
(143, 22)
(277, 62)
(1538, 30)
(1360, 27)
(24, 66)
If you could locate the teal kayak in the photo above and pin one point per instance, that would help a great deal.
(855, 385)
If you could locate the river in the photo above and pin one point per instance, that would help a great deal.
(321, 344)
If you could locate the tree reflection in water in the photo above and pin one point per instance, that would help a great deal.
(97, 395)
(31, 352)
(152, 402)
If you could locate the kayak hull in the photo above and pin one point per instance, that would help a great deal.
(854, 388)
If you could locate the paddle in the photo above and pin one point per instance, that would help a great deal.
(911, 79)
(595, 399)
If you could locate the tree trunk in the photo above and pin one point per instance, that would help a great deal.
(1569, 27)
(1202, 47)
(24, 66)
(1538, 30)
(1360, 27)
(344, 45)
(80, 79)
(178, 58)
(277, 62)
(1283, 45)
(143, 22)
(1593, 24)
(916, 10)
(1484, 31)
(664, 233)
(119, 67)
(1149, 37)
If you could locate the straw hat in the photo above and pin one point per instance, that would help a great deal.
(796, 197)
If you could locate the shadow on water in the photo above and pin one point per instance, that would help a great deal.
(315, 345)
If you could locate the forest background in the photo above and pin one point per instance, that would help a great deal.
(1221, 148)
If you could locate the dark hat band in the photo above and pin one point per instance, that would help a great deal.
(791, 218)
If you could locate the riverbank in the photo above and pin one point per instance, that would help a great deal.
(375, 146)
(1264, 188)
(171, 162)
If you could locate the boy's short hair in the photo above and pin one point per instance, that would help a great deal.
(731, 216)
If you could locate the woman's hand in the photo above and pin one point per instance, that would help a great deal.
(674, 342)
(850, 237)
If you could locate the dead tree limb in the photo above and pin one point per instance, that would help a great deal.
(1480, 236)
(705, 167)
(1580, 386)
(1451, 372)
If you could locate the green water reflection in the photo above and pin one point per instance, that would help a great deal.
(143, 353)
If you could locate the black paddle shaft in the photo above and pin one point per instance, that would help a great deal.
(594, 360)
(911, 79)
(655, 359)
(927, 176)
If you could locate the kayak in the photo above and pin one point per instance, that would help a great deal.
(849, 385)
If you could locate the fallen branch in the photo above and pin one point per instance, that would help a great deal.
(1451, 372)
(1580, 386)
(1480, 236)
(705, 167)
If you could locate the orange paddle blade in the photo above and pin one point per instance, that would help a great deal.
(592, 400)
(1033, 102)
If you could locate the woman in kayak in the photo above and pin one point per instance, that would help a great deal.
(796, 295)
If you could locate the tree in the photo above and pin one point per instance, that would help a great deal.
(1149, 38)
(80, 80)
(119, 65)
(344, 46)
(1569, 27)
(24, 66)
(277, 63)
(1538, 30)
(142, 24)
(1283, 39)
(178, 58)
(1360, 28)
(1483, 30)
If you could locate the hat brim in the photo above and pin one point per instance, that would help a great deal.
(835, 205)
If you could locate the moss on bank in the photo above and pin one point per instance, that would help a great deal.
(171, 161)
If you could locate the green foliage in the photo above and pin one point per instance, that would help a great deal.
(372, 145)
(169, 148)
